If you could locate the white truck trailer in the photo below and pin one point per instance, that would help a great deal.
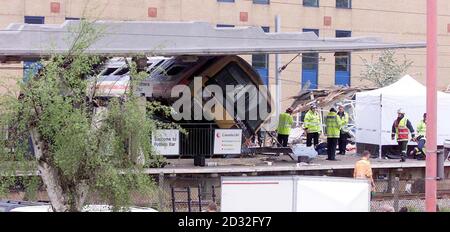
(294, 194)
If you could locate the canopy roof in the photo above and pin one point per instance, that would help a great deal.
(406, 86)
(125, 38)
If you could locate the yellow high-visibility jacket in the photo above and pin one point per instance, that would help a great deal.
(312, 122)
(333, 124)
(285, 123)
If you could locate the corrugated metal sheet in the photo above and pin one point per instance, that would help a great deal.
(120, 38)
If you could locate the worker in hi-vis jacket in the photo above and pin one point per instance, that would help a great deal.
(401, 129)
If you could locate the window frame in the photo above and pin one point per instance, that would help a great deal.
(346, 32)
(311, 55)
(28, 17)
(310, 63)
(264, 57)
(266, 29)
(72, 18)
(261, 2)
(316, 31)
(318, 4)
(343, 55)
(225, 26)
(32, 66)
(341, 7)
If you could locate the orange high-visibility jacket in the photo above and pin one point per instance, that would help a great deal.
(363, 169)
(401, 128)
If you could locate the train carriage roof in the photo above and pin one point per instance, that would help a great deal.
(127, 38)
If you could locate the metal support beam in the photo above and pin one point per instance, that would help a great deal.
(431, 145)
(161, 192)
(277, 72)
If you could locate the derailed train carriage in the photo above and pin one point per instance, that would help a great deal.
(167, 73)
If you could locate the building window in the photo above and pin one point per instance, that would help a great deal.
(310, 66)
(225, 0)
(261, 1)
(224, 25)
(316, 31)
(260, 63)
(32, 66)
(346, 4)
(343, 63)
(34, 19)
(343, 34)
(72, 18)
(311, 3)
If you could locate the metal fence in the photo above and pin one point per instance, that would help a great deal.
(186, 194)
(407, 195)
(192, 199)
(198, 139)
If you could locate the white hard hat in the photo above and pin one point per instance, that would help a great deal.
(400, 111)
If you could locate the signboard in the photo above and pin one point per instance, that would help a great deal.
(227, 141)
(166, 142)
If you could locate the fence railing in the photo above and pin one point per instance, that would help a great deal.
(199, 140)
(401, 195)
(191, 199)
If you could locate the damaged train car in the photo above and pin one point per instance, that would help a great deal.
(165, 73)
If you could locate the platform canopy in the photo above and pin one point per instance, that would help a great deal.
(126, 38)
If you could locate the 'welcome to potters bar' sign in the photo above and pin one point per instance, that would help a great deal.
(166, 142)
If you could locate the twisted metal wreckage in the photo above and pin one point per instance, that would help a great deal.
(324, 99)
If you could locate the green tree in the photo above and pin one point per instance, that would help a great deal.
(81, 146)
(385, 70)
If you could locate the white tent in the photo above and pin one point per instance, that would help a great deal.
(376, 111)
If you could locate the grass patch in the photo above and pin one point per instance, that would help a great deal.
(413, 209)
